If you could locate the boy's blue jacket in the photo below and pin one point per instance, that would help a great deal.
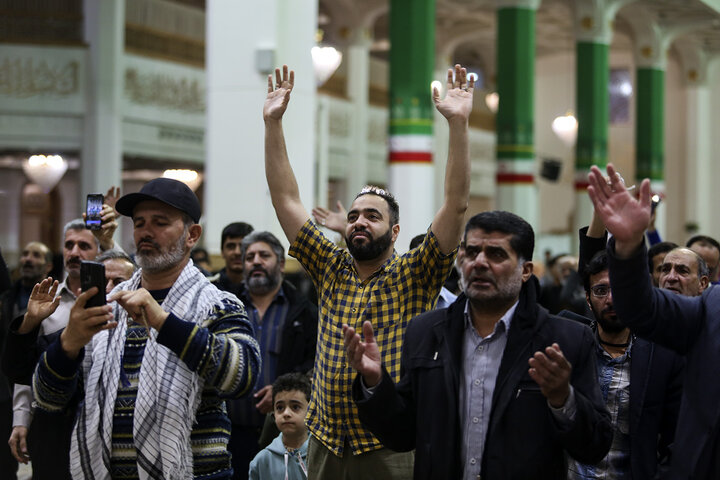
(270, 462)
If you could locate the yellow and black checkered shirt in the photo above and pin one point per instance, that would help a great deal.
(405, 286)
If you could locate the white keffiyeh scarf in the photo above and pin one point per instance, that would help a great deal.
(168, 392)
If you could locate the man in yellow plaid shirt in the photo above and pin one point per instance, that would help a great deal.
(370, 282)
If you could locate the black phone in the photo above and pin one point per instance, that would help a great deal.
(93, 210)
(92, 274)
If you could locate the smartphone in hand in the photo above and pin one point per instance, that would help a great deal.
(93, 210)
(92, 274)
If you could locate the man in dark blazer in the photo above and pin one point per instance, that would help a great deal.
(641, 383)
(493, 386)
(688, 325)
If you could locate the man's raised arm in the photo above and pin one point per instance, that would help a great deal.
(281, 180)
(623, 215)
(455, 107)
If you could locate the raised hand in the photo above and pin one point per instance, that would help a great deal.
(363, 356)
(112, 195)
(278, 98)
(457, 103)
(551, 371)
(84, 323)
(335, 221)
(43, 303)
(625, 216)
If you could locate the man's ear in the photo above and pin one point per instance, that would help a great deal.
(395, 232)
(194, 233)
(704, 282)
(527, 271)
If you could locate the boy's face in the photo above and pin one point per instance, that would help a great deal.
(290, 410)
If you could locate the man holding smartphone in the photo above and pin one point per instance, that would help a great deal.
(153, 369)
(47, 312)
(43, 438)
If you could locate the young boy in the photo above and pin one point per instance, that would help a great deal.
(286, 457)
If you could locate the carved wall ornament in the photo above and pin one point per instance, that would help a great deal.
(165, 91)
(30, 77)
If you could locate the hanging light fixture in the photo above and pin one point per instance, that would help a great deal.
(566, 128)
(325, 61)
(45, 170)
(492, 100)
(191, 178)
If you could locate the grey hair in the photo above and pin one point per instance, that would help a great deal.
(78, 224)
(115, 254)
(266, 237)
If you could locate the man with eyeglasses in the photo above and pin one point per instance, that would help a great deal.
(640, 382)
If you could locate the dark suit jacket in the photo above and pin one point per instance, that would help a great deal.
(655, 390)
(690, 326)
(523, 439)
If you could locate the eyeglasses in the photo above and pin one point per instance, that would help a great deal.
(600, 291)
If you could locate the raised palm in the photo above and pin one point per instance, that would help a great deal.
(625, 216)
(459, 99)
(43, 302)
(278, 97)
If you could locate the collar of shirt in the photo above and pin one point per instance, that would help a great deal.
(63, 289)
(505, 319)
(601, 351)
(244, 295)
(351, 264)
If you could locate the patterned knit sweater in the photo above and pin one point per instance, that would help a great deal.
(201, 349)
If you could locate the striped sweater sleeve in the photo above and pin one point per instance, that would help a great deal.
(56, 378)
(222, 350)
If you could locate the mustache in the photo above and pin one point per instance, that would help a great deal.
(147, 240)
(259, 269)
(360, 230)
(482, 278)
(73, 261)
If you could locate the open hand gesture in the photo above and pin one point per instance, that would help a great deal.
(41, 305)
(335, 221)
(112, 196)
(457, 104)
(363, 356)
(551, 371)
(278, 98)
(625, 216)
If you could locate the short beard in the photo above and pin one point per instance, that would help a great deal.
(371, 249)
(164, 260)
(264, 284)
(608, 326)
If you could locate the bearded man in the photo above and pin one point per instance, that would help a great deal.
(285, 324)
(371, 282)
(153, 368)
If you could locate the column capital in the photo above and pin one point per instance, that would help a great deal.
(594, 20)
(529, 4)
(652, 40)
(694, 61)
(361, 36)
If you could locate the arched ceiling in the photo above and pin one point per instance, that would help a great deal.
(465, 29)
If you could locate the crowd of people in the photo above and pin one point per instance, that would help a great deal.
(391, 369)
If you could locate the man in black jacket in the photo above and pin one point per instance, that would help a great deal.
(285, 325)
(641, 383)
(35, 264)
(688, 325)
(493, 386)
